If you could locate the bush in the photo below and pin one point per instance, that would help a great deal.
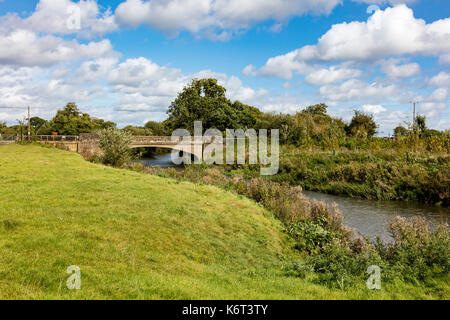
(340, 266)
(310, 237)
(287, 202)
(417, 252)
(362, 125)
(115, 146)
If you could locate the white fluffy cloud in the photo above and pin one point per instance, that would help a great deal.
(90, 71)
(172, 16)
(375, 109)
(62, 17)
(281, 67)
(144, 77)
(357, 90)
(26, 86)
(331, 75)
(237, 12)
(26, 48)
(442, 79)
(392, 32)
(169, 16)
(12, 94)
(396, 71)
(432, 109)
(438, 95)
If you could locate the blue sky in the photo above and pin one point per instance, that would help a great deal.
(127, 59)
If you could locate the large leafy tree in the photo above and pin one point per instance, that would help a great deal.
(204, 100)
(70, 121)
(157, 128)
(37, 123)
(138, 131)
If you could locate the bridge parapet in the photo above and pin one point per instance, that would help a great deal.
(55, 138)
(138, 139)
(89, 143)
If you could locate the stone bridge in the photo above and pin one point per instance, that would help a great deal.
(88, 144)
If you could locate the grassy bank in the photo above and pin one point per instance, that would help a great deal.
(138, 236)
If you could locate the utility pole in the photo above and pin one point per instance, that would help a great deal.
(414, 112)
(29, 125)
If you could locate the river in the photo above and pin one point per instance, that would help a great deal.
(369, 218)
(163, 160)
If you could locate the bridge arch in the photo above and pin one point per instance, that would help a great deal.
(171, 147)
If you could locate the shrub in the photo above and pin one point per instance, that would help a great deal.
(287, 202)
(362, 126)
(417, 251)
(339, 266)
(115, 146)
(310, 237)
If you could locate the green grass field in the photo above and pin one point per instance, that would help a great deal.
(138, 236)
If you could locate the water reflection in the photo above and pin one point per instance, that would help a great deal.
(163, 160)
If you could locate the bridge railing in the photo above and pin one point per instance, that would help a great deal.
(164, 139)
(151, 138)
(55, 138)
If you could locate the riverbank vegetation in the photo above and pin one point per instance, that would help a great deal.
(378, 175)
(385, 174)
(140, 236)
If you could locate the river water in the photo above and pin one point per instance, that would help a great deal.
(163, 160)
(369, 218)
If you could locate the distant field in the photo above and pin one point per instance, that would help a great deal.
(138, 236)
